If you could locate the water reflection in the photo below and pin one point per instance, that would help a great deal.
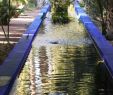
(104, 83)
(22, 85)
(63, 61)
(65, 70)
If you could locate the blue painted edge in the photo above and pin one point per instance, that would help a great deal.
(104, 47)
(16, 59)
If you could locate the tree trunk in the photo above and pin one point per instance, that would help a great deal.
(110, 20)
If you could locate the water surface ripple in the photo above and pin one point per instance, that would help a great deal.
(63, 61)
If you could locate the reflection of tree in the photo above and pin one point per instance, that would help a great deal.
(32, 74)
(23, 83)
(61, 75)
(85, 60)
(73, 69)
(60, 69)
(26, 82)
(41, 69)
(103, 80)
(43, 63)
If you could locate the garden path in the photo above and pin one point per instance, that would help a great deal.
(19, 25)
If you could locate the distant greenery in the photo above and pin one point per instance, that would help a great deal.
(4, 13)
(60, 11)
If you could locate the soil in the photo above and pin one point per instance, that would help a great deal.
(4, 50)
(17, 27)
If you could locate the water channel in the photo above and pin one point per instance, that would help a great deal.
(63, 61)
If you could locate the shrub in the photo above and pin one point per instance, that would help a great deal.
(60, 11)
(6, 12)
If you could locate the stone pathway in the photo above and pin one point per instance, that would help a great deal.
(19, 25)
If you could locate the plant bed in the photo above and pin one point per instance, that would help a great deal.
(4, 50)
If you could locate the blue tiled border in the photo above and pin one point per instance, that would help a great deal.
(104, 47)
(17, 57)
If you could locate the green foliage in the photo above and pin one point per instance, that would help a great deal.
(31, 4)
(97, 9)
(59, 11)
(81, 4)
(5, 15)
(8, 9)
(60, 19)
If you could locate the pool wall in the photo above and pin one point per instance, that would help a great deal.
(13, 64)
(104, 47)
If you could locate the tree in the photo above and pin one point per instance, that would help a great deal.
(7, 11)
(102, 10)
(109, 20)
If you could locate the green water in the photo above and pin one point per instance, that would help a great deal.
(63, 61)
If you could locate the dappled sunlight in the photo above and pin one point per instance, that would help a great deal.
(69, 34)
(71, 11)
(23, 19)
(18, 26)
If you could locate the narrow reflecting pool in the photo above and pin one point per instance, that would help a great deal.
(63, 61)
